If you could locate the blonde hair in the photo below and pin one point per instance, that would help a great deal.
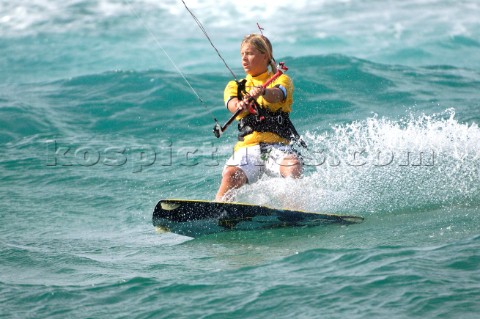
(262, 44)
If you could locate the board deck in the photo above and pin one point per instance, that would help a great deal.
(196, 218)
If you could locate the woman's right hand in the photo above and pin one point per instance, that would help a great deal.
(241, 105)
(248, 105)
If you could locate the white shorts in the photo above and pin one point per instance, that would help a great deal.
(256, 160)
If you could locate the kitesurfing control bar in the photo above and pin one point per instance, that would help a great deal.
(218, 130)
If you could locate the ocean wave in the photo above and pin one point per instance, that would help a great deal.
(78, 37)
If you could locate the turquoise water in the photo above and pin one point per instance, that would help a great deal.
(97, 125)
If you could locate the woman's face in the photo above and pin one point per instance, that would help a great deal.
(254, 62)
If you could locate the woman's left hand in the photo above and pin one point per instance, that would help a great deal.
(257, 91)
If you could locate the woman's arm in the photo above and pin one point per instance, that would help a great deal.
(271, 95)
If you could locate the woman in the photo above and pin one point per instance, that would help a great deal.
(264, 138)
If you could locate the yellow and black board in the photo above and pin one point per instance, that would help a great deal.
(196, 218)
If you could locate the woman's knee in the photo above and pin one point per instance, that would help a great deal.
(235, 175)
(291, 167)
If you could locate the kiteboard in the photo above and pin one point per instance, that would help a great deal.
(195, 218)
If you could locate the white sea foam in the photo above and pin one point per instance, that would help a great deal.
(391, 21)
(380, 164)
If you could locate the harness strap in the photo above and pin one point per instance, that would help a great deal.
(241, 90)
(275, 122)
(264, 120)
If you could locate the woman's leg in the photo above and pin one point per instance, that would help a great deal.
(291, 166)
(233, 178)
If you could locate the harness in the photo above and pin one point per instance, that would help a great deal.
(261, 119)
(267, 121)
